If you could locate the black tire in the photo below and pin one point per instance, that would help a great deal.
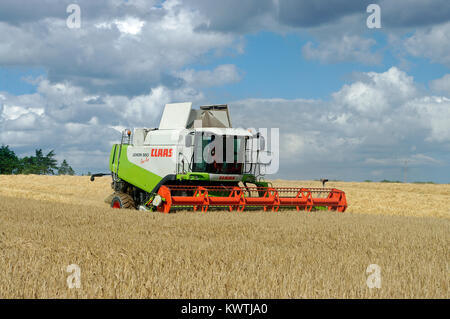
(122, 200)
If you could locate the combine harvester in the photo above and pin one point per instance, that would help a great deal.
(166, 167)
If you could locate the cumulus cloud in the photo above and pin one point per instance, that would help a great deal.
(414, 13)
(252, 15)
(382, 113)
(13, 112)
(346, 48)
(435, 114)
(432, 43)
(127, 47)
(378, 93)
(441, 85)
(127, 26)
(314, 13)
(221, 75)
(347, 135)
(239, 16)
(76, 124)
(124, 55)
(18, 12)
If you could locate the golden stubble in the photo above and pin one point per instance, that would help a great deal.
(48, 223)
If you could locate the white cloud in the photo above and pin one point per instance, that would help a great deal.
(432, 43)
(381, 120)
(292, 144)
(441, 85)
(345, 48)
(13, 112)
(125, 55)
(423, 159)
(223, 74)
(130, 25)
(379, 93)
(134, 45)
(127, 25)
(414, 159)
(434, 113)
(374, 122)
(64, 117)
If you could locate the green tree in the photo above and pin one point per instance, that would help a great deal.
(65, 169)
(28, 165)
(9, 162)
(49, 163)
(39, 164)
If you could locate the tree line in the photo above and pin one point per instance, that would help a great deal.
(39, 164)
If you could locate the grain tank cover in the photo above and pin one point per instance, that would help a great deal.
(181, 116)
(175, 116)
(210, 116)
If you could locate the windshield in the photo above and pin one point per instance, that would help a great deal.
(218, 154)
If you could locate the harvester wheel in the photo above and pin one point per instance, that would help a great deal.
(122, 200)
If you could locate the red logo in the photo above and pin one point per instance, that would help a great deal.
(161, 152)
(226, 178)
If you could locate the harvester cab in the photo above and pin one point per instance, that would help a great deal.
(195, 158)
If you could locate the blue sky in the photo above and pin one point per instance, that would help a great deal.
(351, 103)
(16, 79)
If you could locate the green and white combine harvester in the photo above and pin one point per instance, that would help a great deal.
(196, 159)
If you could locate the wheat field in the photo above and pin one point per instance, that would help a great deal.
(50, 222)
